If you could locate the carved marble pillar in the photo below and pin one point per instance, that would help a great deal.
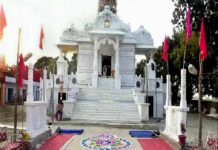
(167, 105)
(183, 101)
(95, 66)
(30, 97)
(117, 65)
(45, 85)
(168, 92)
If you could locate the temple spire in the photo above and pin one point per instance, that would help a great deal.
(111, 3)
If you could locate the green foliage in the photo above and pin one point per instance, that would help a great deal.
(47, 63)
(140, 68)
(199, 8)
(73, 64)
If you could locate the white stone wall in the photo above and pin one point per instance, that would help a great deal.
(85, 63)
(127, 65)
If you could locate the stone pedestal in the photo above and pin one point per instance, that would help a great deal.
(174, 117)
(94, 81)
(143, 109)
(69, 107)
(36, 118)
(139, 98)
(118, 82)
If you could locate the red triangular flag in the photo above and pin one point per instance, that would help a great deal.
(3, 22)
(165, 50)
(41, 39)
(188, 26)
(21, 71)
(202, 42)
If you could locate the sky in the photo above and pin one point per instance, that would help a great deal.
(57, 15)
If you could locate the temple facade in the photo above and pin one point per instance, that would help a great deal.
(106, 50)
(105, 86)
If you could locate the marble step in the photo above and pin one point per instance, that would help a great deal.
(100, 90)
(118, 118)
(108, 114)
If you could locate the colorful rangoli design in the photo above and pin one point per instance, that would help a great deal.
(105, 141)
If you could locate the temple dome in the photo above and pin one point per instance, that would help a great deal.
(143, 36)
(114, 23)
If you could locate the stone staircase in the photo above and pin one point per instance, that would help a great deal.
(106, 105)
(106, 83)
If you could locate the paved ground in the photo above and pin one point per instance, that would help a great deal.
(209, 124)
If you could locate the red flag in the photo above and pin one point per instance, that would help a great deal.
(21, 71)
(188, 26)
(3, 22)
(202, 42)
(41, 39)
(165, 50)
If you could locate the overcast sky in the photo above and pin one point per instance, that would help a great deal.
(57, 15)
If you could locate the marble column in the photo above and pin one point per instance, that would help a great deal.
(167, 105)
(183, 101)
(30, 97)
(44, 85)
(117, 66)
(168, 92)
(95, 66)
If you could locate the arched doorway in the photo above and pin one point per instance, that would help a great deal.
(106, 65)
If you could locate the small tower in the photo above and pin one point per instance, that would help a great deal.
(111, 3)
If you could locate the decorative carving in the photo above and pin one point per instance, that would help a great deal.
(143, 36)
(108, 40)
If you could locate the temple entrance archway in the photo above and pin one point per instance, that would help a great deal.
(106, 65)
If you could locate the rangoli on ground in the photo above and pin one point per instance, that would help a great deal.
(105, 141)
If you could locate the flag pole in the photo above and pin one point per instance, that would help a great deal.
(184, 55)
(200, 100)
(17, 88)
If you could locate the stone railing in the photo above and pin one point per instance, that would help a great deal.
(143, 107)
(36, 111)
(69, 81)
(36, 116)
(175, 115)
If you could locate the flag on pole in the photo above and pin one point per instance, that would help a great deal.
(3, 22)
(188, 26)
(202, 42)
(21, 71)
(165, 50)
(41, 39)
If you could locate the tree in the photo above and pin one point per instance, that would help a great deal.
(140, 68)
(47, 63)
(209, 10)
(73, 64)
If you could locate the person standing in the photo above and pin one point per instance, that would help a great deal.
(59, 111)
(104, 70)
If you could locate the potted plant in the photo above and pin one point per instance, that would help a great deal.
(182, 137)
